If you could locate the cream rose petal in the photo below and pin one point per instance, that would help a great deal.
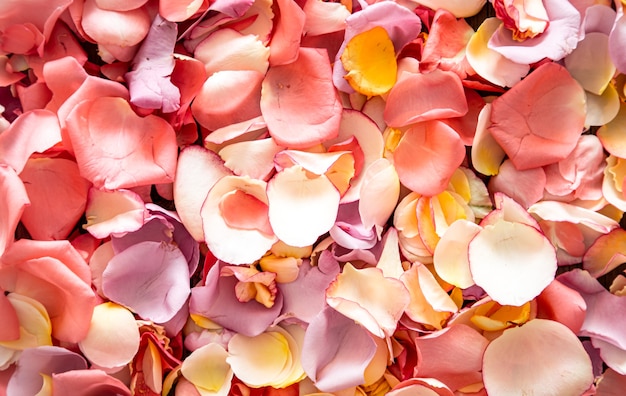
(206, 368)
(542, 348)
(369, 298)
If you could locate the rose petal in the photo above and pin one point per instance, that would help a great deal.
(590, 63)
(113, 212)
(285, 94)
(33, 132)
(113, 337)
(420, 97)
(606, 253)
(96, 141)
(610, 134)
(324, 17)
(87, 382)
(179, 10)
(512, 262)
(107, 27)
(348, 349)
(350, 294)
(301, 208)
(236, 212)
(198, 169)
(533, 122)
(489, 64)
(426, 157)
(227, 49)
(616, 38)
(524, 186)
(562, 304)
(14, 201)
(420, 386)
(379, 193)
(44, 178)
(537, 345)
(151, 278)
(288, 30)
(602, 109)
(253, 158)
(207, 369)
(450, 257)
(460, 8)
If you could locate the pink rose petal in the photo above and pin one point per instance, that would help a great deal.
(151, 278)
(348, 349)
(87, 382)
(562, 304)
(33, 132)
(616, 38)
(524, 186)
(427, 155)
(14, 201)
(113, 153)
(540, 346)
(116, 28)
(179, 10)
(149, 83)
(453, 356)
(539, 121)
(285, 94)
(420, 97)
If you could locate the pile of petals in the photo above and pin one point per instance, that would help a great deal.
(354, 197)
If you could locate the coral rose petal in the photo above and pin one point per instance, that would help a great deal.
(421, 97)
(288, 29)
(537, 345)
(524, 186)
(512, 262)
(323, 17)
(58, 197)
(118, 28)
(14, 201)
(198, 169)
(562, 304)
(348, 349)
(179, 10)
(103, 160)
(427, 156)
(285, 95)
(113, 337)
(540, 119)
(301, 208)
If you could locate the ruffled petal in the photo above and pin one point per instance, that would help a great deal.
(285, 95)
(540, 119)
(350, 295)
(538, 345)
(113, 337)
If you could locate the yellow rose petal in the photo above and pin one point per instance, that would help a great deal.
(370, 62)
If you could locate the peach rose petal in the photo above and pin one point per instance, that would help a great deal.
(103, 160)
(429, 303)
(254, 158)
(610, 134)
(539, 120)
(606, 253)
(512, 262)
(450, 257)
(117, 5)
(227, 49)
(351, 295)
(287, 33)
(235, 214)
(563, 304)
(537, 345)
(561, 211)
(301, 208)
(198, 169)
(324, 17)
(63, 77)
(179, 10)
(113, 212)
(115, 28)
(427, 155)
(242, 87)
(489, 64)
(113, 337)
(11, 329)
(58, 197)
(590, 63)
(285, 94)
(420, 97)
(524, 186)
(487, 155)
(206, 368)
(380, 191)
(460, 8)
(602, 109)
(421, 387)
(32, 132)
(14, 201)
